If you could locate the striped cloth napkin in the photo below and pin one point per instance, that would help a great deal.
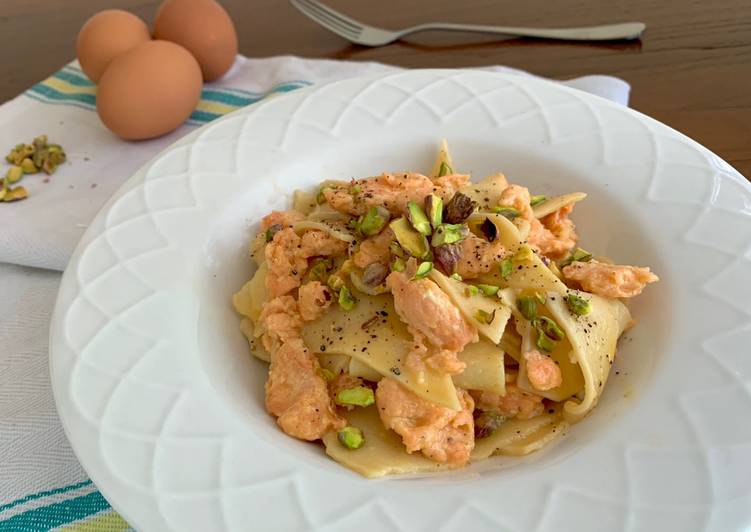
(42, 486)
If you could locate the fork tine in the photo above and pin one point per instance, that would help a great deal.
(324, 20)
(317, 12)
(341, 17)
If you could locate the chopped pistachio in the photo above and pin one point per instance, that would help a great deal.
(355, 190)
(351, 437)
(15, 194)
(506, 268)
(418, 218)
(487, 423)
(459, 208)
(484, 317)
(410, 240)
(534, 201)
(397, 250)
(449, 234)
(544, 342)
(527, 305)
(423, 270)
(372, 222)
(550, 328)
(319, 269)
(14, 175)
(374, 274)
(447, 256)
(346, 300)
(28, 167)
(578, 305)
(327, 374)
(434, 209)
(39, 156)
(508, 212)
(321, 196)
(398, 264)
(579, 255)
(523, 254)
(335, 282)
(471, 290)
(357, 396)
(3, 193)
(541, 297)
(488, 289)
(445, 169)
(456, 277)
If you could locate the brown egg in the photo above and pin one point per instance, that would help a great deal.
(105, 36)
(204, 28)
(149, 90)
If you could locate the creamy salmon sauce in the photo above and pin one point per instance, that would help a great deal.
(394, 233)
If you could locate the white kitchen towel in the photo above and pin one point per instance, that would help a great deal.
(43, 230)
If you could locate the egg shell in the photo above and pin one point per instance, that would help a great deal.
(149, 91)
(204, 28)
(105, 36)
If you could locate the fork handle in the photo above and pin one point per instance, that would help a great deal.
(609, 32)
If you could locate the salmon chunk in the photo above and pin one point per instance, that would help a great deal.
(442, 434)
(313, 299)
(422, 356)
(423, 306)
(374, 249)
(287, 257)
(297, 393)
(609, 280)
(280, 322)
(515, 404)
(479, 256)
(542, 371)
(558, 234)
(392, 191)
(286, 265)
(554, 235)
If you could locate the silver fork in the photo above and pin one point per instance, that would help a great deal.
(360, 33)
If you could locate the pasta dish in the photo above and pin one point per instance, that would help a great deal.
(416, 323)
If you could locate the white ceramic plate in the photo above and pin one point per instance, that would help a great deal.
(164, 406)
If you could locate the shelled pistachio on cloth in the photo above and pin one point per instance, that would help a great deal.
(39, 156)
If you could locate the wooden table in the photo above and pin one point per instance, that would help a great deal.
(691, 70)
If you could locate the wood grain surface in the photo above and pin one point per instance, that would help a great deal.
(691, 70)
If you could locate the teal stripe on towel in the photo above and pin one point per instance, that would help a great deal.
(57, 96)
(54, 515)
(42, 99)
(202, 116)
(214, 95)
(41, 494)
(73, 78)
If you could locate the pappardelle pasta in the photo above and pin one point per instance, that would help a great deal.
(416, 323)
